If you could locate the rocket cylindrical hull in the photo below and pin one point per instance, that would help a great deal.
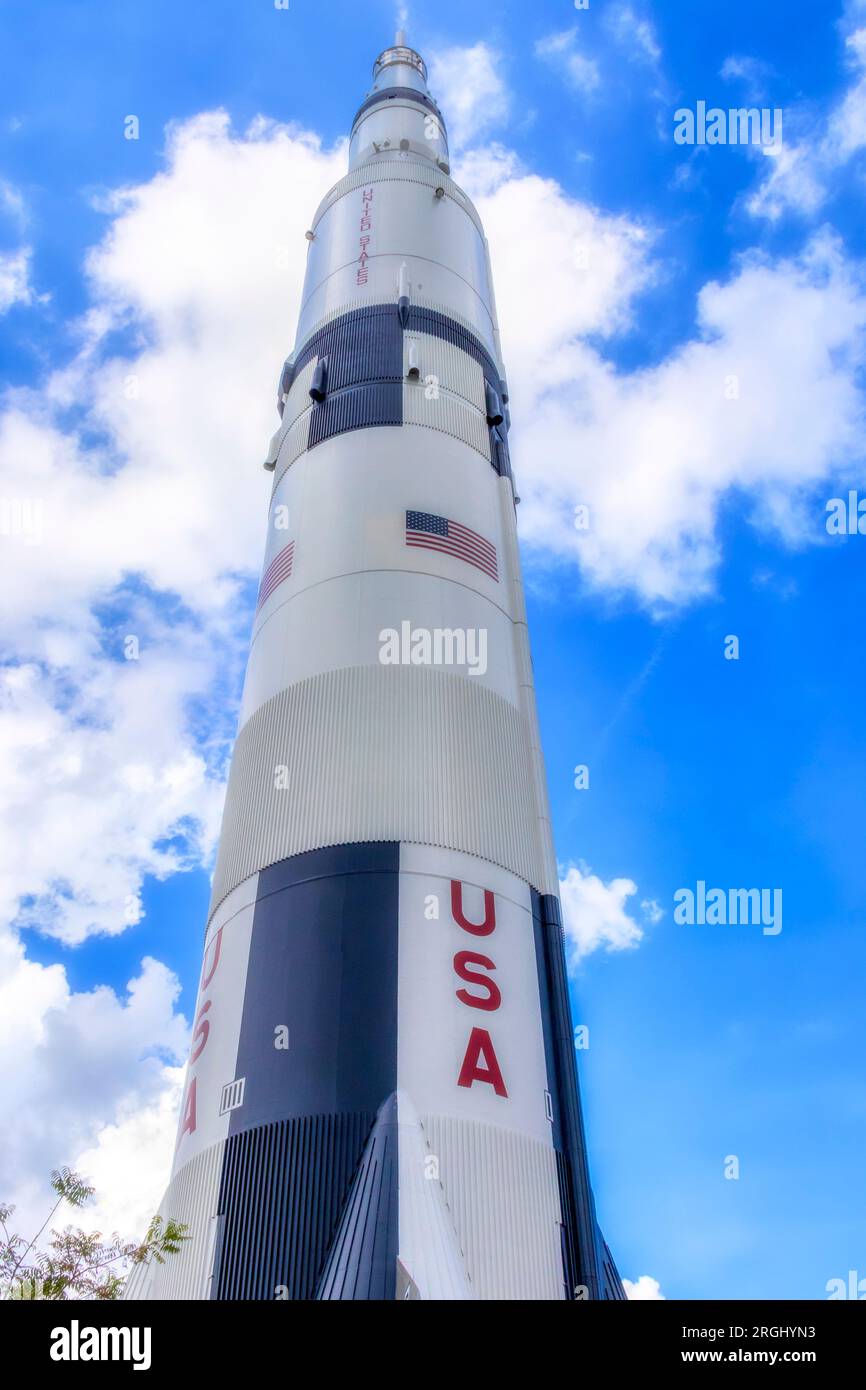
(381, 1096)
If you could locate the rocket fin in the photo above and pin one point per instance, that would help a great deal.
(362, 1259)
(432, 1264)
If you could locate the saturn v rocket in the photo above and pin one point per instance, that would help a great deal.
(381, 1098)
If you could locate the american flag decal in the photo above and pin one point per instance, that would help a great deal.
(279, 569)
(449, 537)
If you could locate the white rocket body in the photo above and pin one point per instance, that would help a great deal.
(381, 1097)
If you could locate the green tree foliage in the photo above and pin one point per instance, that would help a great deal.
(72, 1263)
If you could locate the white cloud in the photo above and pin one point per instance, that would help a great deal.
(801, 175)
(563, 270)
(69, 1061)
(130, 1159)
(847, 129)
(12, 203)
(645, 1289)
(471, 91)
(633, 38)
(561, 52)
(595, 914)
(750, 71)
(15, 287)
(735, 68)
(634, 33)
(793, 180)
(764, 401)
(98, 772)
(652, 911)
(484, 168)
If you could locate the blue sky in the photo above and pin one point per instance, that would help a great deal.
(706, 1041)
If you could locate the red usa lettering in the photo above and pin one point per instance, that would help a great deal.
(200, 1036)
(480, 1062)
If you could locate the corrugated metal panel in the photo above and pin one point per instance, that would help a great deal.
(284, 1186)
(380, 753)
(361, 345)
(356, 408)
(442, 323)
(501, 1188)
(420, 301)
(294, 444)
(192, 1199)
(404, 170)
(455, 370)
(358, 305)
(348, 306)
(447, 413)
(612, 1285)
